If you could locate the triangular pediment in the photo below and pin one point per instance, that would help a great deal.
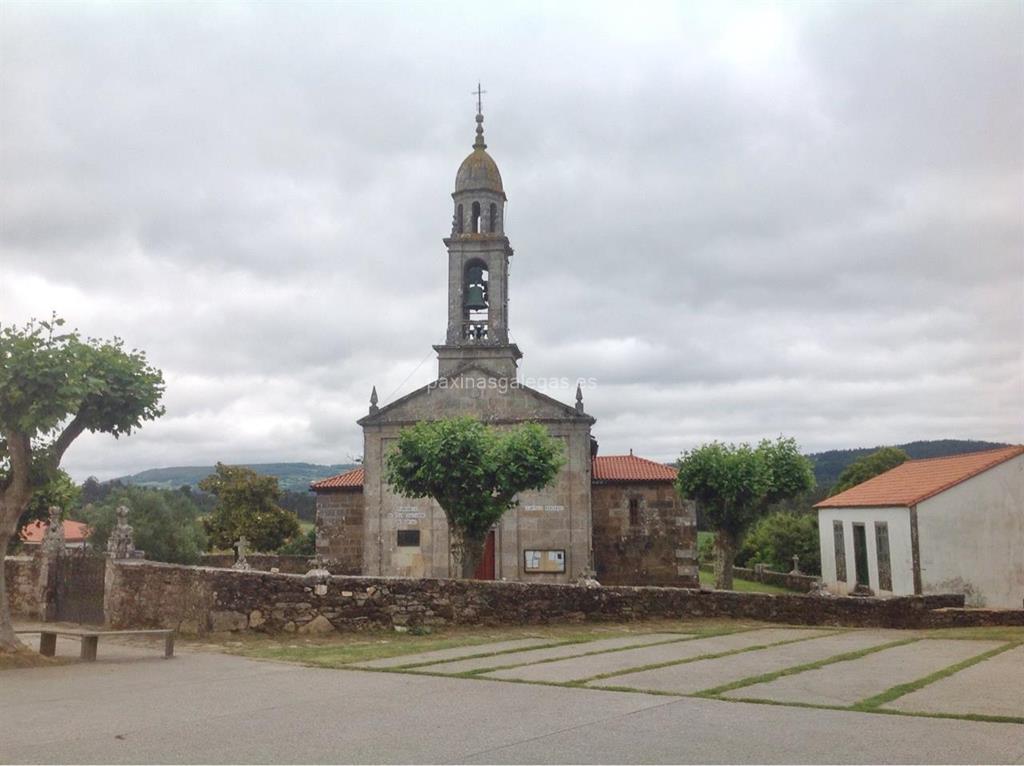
(477, 391)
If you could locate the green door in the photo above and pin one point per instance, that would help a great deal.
(860, 554)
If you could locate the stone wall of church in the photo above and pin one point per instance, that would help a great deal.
(644, 534)
(339, 529)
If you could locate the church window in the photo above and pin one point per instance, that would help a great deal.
(494, 218)
(408, 538)
(634, 511)
(475, 223)
(460, 220)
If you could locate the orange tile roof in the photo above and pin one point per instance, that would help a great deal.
(630, 468)
(34, 532)
(916, 480)
(348, 480)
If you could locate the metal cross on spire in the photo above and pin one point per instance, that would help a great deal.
(479, 92)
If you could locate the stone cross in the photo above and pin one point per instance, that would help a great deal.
(121, 543)
(796, 565)
(53, 540)
(241, 546)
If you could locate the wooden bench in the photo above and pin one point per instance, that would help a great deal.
(90, 639)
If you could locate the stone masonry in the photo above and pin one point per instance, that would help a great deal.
(644, 534)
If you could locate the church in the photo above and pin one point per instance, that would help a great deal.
(617, 517)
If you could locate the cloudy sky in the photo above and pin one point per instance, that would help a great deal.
(740, 219)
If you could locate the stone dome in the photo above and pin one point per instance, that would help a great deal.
(478, 172)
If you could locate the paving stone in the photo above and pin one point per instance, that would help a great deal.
(553, 653)
(696, 676)
(577, 668)
(992, 687)
(455, 653)
(846, 683)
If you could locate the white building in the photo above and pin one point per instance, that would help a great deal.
(942, 525)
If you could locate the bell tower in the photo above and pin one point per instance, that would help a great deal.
(478, 257)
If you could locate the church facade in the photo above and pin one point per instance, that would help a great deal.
(617, 516)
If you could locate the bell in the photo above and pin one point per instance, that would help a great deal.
(475, 275)
(475, 300)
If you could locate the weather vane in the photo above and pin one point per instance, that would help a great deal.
(479, 92)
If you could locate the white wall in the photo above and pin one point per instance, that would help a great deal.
(972, 538)
(900, 553)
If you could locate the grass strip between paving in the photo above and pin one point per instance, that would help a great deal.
(686, 660)
(682, 638)
(899, 690)
(764, 678)
(880, 711)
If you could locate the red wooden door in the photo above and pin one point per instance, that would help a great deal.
(485, 569)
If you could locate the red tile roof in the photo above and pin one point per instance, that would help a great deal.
(917, 480)
(74, 532)
(630, 468)
(348, 480)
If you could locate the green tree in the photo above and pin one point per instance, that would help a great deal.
(735, 484)
(55, 386)
(60, 491)
(247, 504)
(869, 466)
(472, 471)
(165, 523)
(774, 539)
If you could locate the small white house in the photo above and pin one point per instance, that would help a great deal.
(942, 525)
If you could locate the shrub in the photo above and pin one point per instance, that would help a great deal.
(300, 545)
(774, 539)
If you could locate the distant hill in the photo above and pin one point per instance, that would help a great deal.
(828, 465)
(294, 477)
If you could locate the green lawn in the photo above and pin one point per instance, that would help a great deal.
(743, 586)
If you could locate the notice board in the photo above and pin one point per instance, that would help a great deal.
(544, 560)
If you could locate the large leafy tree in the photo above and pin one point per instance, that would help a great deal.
(165, 523)
(247, 504)
(868, 467)
(735, 484)
(55, 386)
(474, 472)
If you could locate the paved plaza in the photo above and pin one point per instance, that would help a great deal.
(452, 705)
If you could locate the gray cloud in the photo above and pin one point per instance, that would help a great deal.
(740, 219)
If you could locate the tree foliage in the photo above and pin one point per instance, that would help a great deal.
(247, 504)
(735, 484)
(165, 523)
(774, 539)
(60, 491)
(869, 466)
(303, 544)
(55, 386)
(474, 472)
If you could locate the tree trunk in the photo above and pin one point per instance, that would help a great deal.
(472, 552)
(8, 641)
(725, 553)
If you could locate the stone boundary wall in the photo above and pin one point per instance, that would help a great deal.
(262, 562)
(798, 582)
(199, 600)
(26, 580)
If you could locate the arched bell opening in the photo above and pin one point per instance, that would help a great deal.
(475, 300)
(475, 218)
(493, 218)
